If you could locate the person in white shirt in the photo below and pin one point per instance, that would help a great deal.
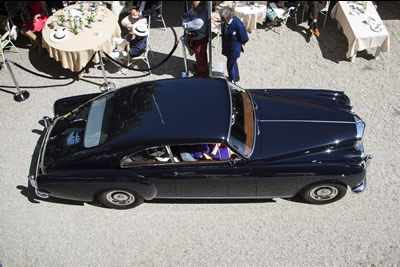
(134, 17)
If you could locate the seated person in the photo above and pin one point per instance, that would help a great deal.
(210, 152)
(137, 45)
(134, 17)
(166, 159)
(315, 7)
(120, 47)
(289, 4)
(147, 8)
(36, 16)
(199, 151)
(220, 152)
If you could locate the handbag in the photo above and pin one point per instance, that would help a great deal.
(191, 35)
(271, 14)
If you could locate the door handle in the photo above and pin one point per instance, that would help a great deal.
(182, 173)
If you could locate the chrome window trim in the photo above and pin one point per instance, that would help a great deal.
(186, 163)
(311, 121)
(145, 164)
(234, 86)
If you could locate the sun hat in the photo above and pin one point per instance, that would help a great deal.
(141, 30)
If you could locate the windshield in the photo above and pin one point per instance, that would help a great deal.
(242, 121)
(115, 114)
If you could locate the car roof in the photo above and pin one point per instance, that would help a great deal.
(174, 111)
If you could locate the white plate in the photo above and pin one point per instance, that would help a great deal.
(376, 27)
(59, 40)
(76, 13)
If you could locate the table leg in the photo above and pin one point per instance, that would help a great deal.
(378, 52)
(353, 58)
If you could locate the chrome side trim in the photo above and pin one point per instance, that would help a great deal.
(311, 121)
(360, 187)
(242, 197)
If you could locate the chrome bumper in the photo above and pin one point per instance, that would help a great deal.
(32, 181)
(360, 187)
(32, 178)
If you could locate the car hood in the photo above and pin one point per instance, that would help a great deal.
(65, 138)
(289, 124)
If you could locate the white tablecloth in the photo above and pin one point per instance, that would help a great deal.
(75, 51)
(251, 15)
(359, 35)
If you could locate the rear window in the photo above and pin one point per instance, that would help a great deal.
(242, 122)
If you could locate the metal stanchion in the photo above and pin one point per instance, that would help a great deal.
(21, 95)
(106, 86)
(186, 73)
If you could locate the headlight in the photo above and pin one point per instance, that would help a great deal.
(360, 126)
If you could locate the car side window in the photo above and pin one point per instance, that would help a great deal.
(201, 153)
(153, 155)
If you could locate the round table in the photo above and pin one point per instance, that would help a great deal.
(251, 15)
(75, 50)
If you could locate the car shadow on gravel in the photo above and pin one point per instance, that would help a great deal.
(209, 201)
(29, 193)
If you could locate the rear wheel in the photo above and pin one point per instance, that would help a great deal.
(323, 193)
(120, 199)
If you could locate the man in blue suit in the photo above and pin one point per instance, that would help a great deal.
(234, 36)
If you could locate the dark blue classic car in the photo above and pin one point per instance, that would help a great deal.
(201, 138)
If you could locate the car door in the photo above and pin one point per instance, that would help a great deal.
(176, 178)
(214, 180)
(152, 166)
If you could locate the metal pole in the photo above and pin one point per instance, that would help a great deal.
(209, 39)
(106, 86)
(186, 6)
(21, 95)
(184, 56)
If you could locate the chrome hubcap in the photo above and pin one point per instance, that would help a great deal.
(324, 193)
(121, 198)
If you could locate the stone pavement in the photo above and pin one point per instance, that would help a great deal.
(360, 229)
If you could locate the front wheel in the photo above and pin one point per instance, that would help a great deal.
(323, 193)
(120, 199)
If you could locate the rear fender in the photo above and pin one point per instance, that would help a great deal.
(85, 185)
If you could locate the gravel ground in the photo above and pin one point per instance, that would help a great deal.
(360, 229)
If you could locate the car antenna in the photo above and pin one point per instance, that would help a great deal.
(159, 112)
